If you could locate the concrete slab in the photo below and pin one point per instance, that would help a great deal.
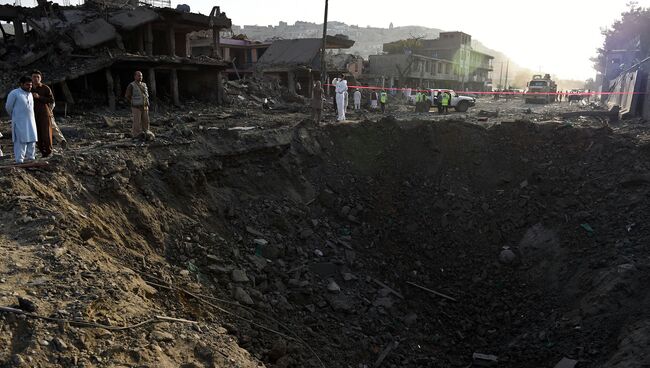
(566, 363)
(94, 33)
(131, 19)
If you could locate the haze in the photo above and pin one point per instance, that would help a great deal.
(558, 36)
(551, 36)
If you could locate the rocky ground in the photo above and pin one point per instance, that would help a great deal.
(243, 237)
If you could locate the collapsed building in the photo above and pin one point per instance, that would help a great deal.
(625, 74)
(88, 53)
(241, 53)
(299, 61)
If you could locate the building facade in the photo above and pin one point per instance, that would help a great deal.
(446, 62)
(242, 54)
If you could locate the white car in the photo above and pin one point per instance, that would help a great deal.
(460, 103)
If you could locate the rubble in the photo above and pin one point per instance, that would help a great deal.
(379, 241)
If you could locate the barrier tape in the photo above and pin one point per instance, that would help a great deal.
(496, 92)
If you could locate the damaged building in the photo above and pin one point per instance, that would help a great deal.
(299, 60)
(242, 54)
(446, 62)
(88, 53)
(625, 72)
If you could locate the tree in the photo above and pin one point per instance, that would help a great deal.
(634, 24)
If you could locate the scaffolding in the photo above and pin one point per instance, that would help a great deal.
(122, 3)
(157, 3)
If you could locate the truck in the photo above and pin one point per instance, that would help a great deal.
(541, 89)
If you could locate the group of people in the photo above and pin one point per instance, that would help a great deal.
(31, 108)
(340, 99)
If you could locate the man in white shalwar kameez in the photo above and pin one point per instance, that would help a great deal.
(20, 105)
(357, 100)
(341, 90)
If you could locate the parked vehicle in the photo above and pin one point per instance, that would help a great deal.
(541, 89)
(574, 95)
(458, 102)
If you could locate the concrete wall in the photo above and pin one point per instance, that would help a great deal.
(385, 64)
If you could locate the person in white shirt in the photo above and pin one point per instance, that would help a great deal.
(341, 90)
(357, 100)
(20, 105)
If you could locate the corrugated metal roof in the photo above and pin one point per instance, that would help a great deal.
(292, 53)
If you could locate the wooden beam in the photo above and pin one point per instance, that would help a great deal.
(151, 74)
(66, 91)
(219, 88)
(110, 91)
(19, 32)
(141, 36)
(171, 41)
(173, 79)
(148, 39)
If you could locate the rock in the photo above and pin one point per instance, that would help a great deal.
(242, 296)
(507, 256)
(161, 336)
(271, 251)
(149, 136)
(87, 233)
(341, 303)
(306, 233)
(278, 350)
(484, 360)
(59, 344)
(252, 231)
(239, 276)
(18, 360)
(27, 305)
(333, 287)
(566, 363)
(260, 241)
(410, 319)
(386, 302)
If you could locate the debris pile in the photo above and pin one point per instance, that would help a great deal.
(416, 243)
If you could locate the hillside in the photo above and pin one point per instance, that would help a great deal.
(369, 41)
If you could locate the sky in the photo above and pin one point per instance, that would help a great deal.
(556, 36)
(551, 36)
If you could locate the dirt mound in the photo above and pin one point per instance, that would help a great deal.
(405, 244)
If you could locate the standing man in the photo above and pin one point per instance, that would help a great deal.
(138, 96)
(20, 105)
(383, 99)
(357, 100)
(317, 102)
(341, 91)
(335, 81)
(373, 100)
(446, 97)
(43, 100)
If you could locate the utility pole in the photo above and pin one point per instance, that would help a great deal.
(507, 68)
(323, 64)
(501, 77)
